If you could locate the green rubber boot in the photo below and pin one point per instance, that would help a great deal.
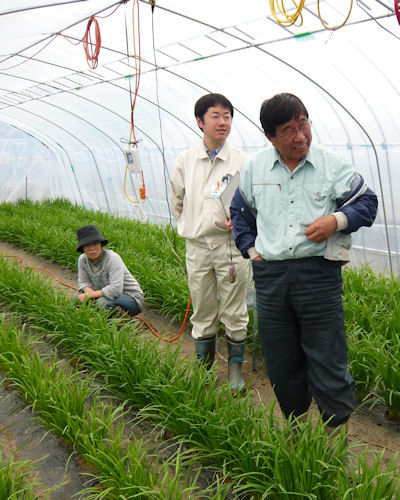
(205, 351)
(235, 362)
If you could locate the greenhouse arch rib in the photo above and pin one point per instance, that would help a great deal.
(40, 7)
(314, 82)
(120, 76)
(395, 89)
(46, 143)
(66, 28)
(259, 46)
(80, 141)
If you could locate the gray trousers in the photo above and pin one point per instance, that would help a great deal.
(303, 338)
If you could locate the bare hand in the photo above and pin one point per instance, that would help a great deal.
(321, 229)
(82, 297)
(228, 224)
(258, 258)
(87, 294)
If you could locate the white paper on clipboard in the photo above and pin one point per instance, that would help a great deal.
(228, 192)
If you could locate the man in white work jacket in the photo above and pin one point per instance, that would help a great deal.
(217, 273)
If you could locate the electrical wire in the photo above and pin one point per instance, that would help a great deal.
(165, 339)
(111, 13)
(18, 258)
(172, 248)
(377, 22)
(334, 27)
(92, 50)
(172, 245)
(165, 169)
(137, 60)
(289, 19)
(132, 135)
(314, 82)
(53, 34)
(29, 58)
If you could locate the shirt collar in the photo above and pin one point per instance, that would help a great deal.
(278, 159)
(212, 154)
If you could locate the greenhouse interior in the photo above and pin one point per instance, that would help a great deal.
(96, 103)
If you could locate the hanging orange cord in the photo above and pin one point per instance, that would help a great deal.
(138, 67)
(92, 50)
(165, 339)
(137, 59)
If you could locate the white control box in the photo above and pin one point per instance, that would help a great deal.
(133, 161)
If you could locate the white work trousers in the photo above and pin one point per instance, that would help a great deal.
(214, 297)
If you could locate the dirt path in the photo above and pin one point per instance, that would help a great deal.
(368, 426)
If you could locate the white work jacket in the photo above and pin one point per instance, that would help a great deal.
(196, 185)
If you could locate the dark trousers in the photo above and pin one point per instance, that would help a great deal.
(125, 301)
(303, 338)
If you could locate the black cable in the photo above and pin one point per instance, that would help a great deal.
(374, 19)
(129, 80)
(165, 169)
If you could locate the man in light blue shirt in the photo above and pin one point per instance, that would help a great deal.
(291, 199)
(292, 215)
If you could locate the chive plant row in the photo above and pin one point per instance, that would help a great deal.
(264, 458)
(16, 480)
(372, 313)
(372, 309)
(49, 229)
(67, 402)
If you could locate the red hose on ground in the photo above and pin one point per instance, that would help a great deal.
(19, 259)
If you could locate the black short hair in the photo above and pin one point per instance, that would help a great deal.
(208, 101)
(279, 109)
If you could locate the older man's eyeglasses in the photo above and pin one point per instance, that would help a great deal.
(291, 132)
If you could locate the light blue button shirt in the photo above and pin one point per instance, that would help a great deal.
(288, 202)
(212, 154)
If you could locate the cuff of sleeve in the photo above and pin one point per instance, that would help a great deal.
(252, 252)
(342, 221)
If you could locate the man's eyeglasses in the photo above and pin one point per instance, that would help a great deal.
(291, 132)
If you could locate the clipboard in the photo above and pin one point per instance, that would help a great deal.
(228, 192)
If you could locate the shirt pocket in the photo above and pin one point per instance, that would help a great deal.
(269, 202)
(316, 202)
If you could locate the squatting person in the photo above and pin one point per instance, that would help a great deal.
(292, 215)
(103, 276)
(199, 177)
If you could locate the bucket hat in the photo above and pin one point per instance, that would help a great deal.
(87, 235)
